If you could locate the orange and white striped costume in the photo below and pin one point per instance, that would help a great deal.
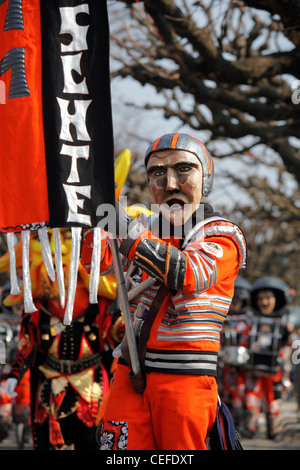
(182, 350)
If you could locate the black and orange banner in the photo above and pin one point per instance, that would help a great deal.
(56, 139)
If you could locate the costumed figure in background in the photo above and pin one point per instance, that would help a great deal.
(269, 299)
(70, 365)
(234, 351)
(68, 377)
(294, 324)
(187, 258)
(12, 410)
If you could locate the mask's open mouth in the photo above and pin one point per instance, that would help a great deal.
(175, 202)
(175, 210)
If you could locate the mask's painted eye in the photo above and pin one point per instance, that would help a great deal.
(159, 172)
(184, 169)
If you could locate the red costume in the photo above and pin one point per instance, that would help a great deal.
(234, 352)
(68, 377)
(267, 335)
(69, 365)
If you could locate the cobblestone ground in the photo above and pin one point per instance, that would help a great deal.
(287, 431)
(287, 437)
(11, 442)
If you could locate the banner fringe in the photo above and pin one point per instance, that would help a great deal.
(29, 306)
(95, 267)
(73, 273)
(59, 267)
(46, 252)
(14, 285)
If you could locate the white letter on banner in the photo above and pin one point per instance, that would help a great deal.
(78, 119)
(74, 203)
(82, 151)
(72, 62)
(70, 26)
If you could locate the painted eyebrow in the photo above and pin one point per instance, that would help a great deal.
(153, 168)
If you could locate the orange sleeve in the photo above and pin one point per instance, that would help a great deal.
(106, 265)
(208, 262)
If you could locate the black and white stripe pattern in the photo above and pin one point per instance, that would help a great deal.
(181, 362)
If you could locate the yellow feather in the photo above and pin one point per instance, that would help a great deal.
(122, 165)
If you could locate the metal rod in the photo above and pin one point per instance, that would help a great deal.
(124, 304)
(140, 288)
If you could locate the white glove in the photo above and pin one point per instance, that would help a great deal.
(10, 386)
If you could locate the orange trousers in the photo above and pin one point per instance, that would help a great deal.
(263, 389)
(175, 412)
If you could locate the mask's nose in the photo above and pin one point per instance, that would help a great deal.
(172, 183)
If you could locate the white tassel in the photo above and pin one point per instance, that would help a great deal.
(14, 289)
(75, 252)
(46, 252)
(95, 267)
(59, 267)
(29, 306)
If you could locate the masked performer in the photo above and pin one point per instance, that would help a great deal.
(193, 283)
(234, 351)
(10, 319)
(269, 332)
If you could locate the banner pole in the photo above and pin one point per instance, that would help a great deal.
(124, 304)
